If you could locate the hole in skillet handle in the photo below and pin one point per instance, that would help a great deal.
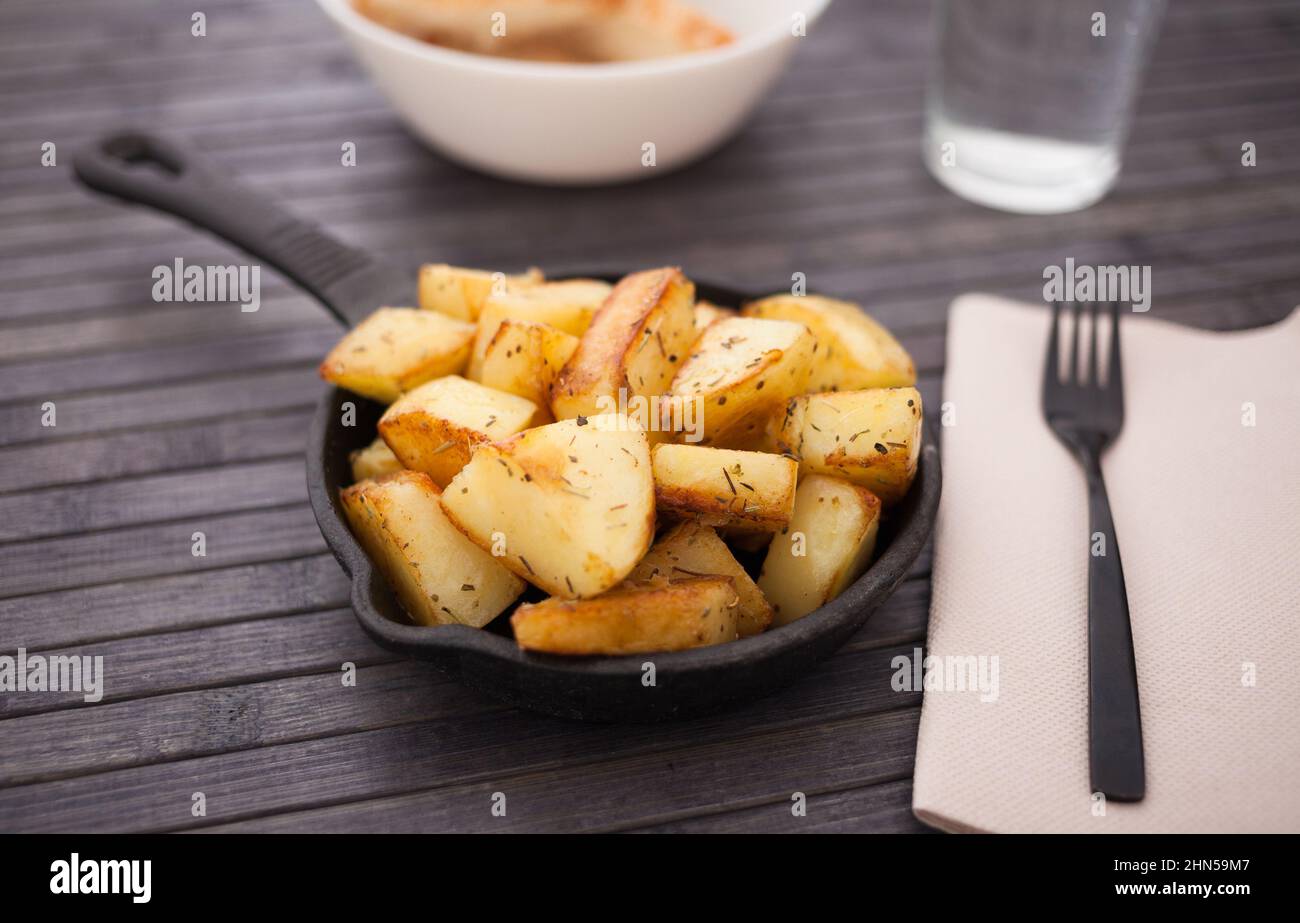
(607, 689)
(135, 166)
(139, 150)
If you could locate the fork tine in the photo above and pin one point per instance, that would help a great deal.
(1094, 372)
(1114, 371)
(1076, 314)
(1052, 372)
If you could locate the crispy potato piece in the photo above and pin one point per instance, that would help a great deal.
(752, 491)
(706, 312)
(396, 349)
(634, 345)
(569, 506)
(632, 619)
(440, 576)
(743, 370)
(827, 546)
(435, 427)
(374, 461)
(691, 549)
(854, 351)
(872, 438)
(460, 293)
(524, 358)
(568, 306)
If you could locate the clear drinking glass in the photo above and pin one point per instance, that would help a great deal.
(1029, 100)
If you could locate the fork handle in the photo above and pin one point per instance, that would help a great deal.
(1114, 720)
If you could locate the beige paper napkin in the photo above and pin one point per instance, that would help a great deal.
(1207, 515)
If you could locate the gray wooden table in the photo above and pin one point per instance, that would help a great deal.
(223, 671)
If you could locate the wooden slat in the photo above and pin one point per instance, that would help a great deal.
(900, 620)
(157, 550)
(44, 300)
(257, 713)
(67, 618)
(150, 323)
(855, 751)
(213, 398)
(159, 498)
(885, 807)
(223, 655)
(211, 355)
(471, 748)
(151, 451)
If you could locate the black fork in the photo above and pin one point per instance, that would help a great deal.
(1087, 413)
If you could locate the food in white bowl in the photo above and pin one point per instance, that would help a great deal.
(567, 31)
(582, 123)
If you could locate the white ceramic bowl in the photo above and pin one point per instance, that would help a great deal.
(580, 123)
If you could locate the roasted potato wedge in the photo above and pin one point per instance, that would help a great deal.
(395, 349)
(634, 345)
(632, 619)
(374, 461)
(690, 550)
(568, 507)
(440, 576)
(750, 491)
(568, 306)
(706, 312)
(460, 293)
(826, 546)
(524, 358)
(435, 427)
(853, 350)
(872, 438)
(743, 370)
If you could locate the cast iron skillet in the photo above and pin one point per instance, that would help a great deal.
(153, 171)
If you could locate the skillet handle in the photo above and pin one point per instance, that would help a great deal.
(150, 170)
